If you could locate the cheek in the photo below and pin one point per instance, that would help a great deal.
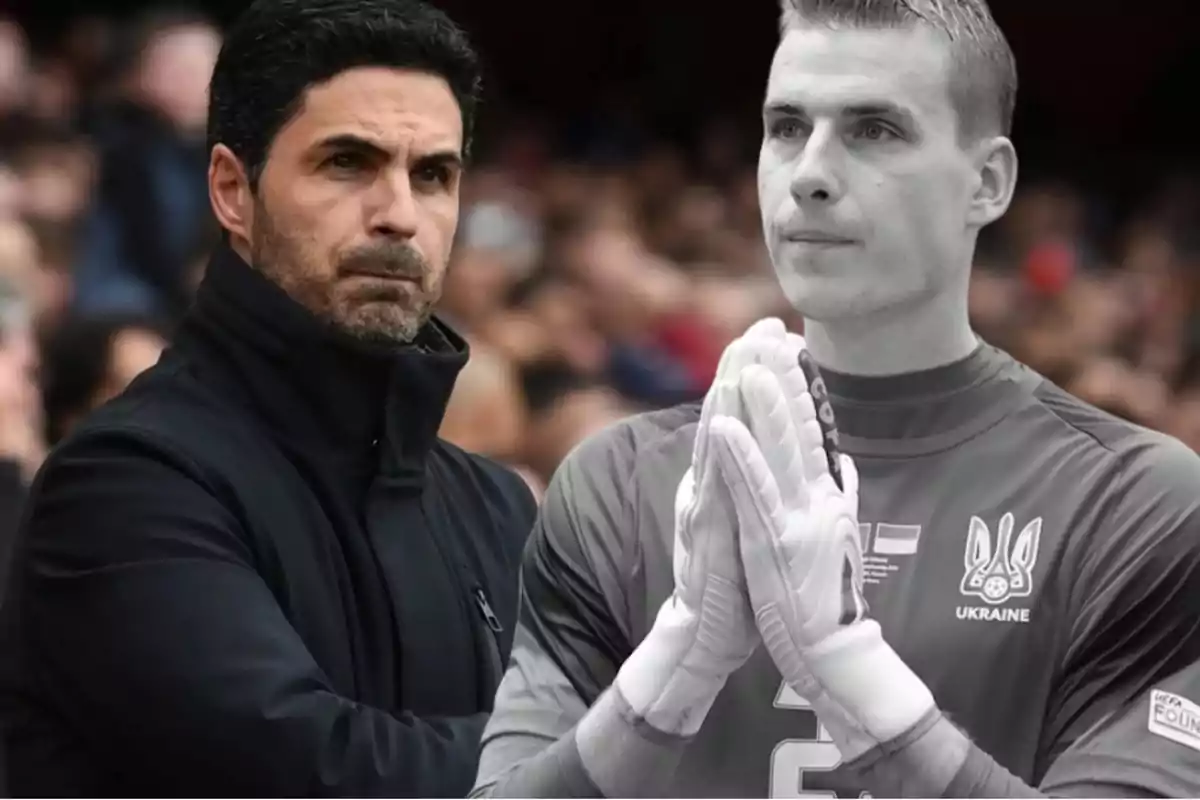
(436, 237)
(773, 182)
(319, 210)
(926, 209)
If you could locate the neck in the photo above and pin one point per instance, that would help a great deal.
(920, 336)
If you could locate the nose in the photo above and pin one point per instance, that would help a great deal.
(393, 211)
(816, 181)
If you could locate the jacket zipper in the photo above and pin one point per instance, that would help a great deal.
(495, 628)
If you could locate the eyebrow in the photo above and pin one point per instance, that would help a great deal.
(441, 158)
(872, 108)
(349, 141)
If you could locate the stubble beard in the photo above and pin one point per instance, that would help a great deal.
(376, 313)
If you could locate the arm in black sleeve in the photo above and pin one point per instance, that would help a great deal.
(170, 657)
(12, 503)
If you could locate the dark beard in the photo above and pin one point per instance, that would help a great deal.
(376, 314)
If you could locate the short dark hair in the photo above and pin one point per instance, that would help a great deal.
(277, 49)
(983, 85)
(547, 381)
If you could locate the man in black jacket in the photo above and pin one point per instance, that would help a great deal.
(259, 571)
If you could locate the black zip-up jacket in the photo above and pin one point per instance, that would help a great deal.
(259, 572)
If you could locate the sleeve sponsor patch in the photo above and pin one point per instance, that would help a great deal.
(1175, 718)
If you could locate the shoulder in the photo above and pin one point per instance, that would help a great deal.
(1139, 560)
(171, 412)
(621, 450)
(127, 434)
(1119, 462)
(1157, 468)
(589, 531)
(120, 493)
(645, 452)
(1132, 494)
(1143, 470)
(166, 436)
(1151, 505)
(589, 513)
(1146, 484)
(1123, 440)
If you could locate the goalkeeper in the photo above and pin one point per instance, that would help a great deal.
(994, 592)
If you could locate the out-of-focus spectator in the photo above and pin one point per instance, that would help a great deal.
(88, 361)
(564, 409)
(151, 210)
(1183, 421)
(11, 192)
(21, 440)
(564, 311)
(634, 294)
(486, 412)
(44, 287)
(14, 69)
(1118, 388)
(22, 446)
(497, 247)
(55, 166)
(630, 260)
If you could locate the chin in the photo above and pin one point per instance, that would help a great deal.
(829, 298)
(381, 324)
(380, 314)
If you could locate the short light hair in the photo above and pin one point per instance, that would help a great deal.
(983, 82)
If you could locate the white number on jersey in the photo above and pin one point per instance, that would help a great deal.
(792, 759)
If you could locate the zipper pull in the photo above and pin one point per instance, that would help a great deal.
(485, 608)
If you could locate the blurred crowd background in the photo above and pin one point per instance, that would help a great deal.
(602, 264)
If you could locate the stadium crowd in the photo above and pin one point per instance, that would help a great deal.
(590, 287)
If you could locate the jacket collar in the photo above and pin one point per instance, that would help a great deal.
(318, 387)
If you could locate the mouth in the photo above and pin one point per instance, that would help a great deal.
(818, 239)
(381, 276)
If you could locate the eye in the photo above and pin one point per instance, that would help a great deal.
(436, 175)
(874, 130)
(346, 162)
(786, 128)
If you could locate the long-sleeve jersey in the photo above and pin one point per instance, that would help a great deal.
(1034, 560)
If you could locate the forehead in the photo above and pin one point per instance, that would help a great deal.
(823, 68)
(392, 108)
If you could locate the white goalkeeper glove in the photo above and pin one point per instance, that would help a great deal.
(705, 630)
(802, 555)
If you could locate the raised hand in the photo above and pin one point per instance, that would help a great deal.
(705, 630)
(802, 555)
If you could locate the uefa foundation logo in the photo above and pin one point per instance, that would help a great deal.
(1174, 717)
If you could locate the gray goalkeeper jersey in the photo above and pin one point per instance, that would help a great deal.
(1034, 560)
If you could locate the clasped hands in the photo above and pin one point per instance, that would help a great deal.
(767, 551)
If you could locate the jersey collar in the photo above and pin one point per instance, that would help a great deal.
(929, 411)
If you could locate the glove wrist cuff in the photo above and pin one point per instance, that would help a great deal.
(860, 673)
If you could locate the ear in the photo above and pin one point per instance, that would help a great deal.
(995, 162)
(230, 195)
